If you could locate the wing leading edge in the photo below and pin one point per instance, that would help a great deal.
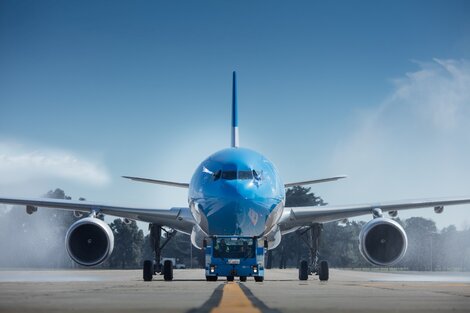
(177, 218)
(158, 182)
(315, 181)
(302, 216)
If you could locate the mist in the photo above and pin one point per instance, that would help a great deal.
(37, 240)
(432, 249)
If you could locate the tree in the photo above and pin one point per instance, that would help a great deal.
(300, 196)
(452, 249)
(340, 244)
(419, 231)
(128, 245)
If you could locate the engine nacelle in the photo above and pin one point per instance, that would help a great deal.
(89, 241)
(383, 242)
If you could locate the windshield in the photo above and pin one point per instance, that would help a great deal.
(231, 175)
(245, 175)
(234, 248)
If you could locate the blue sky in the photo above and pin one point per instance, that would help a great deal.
(377, 90)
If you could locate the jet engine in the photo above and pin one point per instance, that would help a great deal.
(89, 241)
(383, 241)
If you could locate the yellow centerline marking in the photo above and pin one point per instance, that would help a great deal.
(234, 300)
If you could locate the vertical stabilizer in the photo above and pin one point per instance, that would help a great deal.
(235, 142)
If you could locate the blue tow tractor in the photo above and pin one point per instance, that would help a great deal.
(234, 256)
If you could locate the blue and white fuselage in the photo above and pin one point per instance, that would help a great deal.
(235, 191)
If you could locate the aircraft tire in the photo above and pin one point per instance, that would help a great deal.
(230, 278)
(323, 271)
(259, 279)
(303, 270)
(148, 270)
(243, 278)
(168, 270)
(211, 278)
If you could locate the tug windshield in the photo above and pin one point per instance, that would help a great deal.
(236, 248)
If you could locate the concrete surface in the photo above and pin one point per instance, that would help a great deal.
(124, 291)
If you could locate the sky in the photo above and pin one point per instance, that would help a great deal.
(376, 90)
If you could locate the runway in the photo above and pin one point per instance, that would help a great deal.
(125, 291)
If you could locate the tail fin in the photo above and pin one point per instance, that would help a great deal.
(235, 141)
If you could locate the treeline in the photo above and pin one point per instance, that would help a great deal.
(38, 241)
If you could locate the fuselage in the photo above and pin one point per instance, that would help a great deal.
(236, 191)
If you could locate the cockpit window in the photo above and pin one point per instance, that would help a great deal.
(229, 175)
(245, 175)
(217, 174)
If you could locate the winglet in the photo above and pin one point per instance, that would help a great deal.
(235, 140)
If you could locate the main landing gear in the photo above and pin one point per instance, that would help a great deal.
(314, 264)
(152, 267)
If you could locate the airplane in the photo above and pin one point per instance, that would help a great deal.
(236, 192)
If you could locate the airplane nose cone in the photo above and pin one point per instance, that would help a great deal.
(242, 188)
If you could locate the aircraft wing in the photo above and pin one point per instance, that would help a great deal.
(157, 181)
(314, 181)
(302, 216)
(180, 219)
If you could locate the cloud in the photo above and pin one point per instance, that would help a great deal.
(19, 164)
(439, 92)
(414, 144)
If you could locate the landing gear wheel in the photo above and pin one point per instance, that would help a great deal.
(148, 270)
(259, 279)
(323, 271)
(303, 270)
(168, 270)
(211, 278)
(230, 278)
(157, 246)
(243, 278)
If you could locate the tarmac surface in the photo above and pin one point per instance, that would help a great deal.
(125, 291)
